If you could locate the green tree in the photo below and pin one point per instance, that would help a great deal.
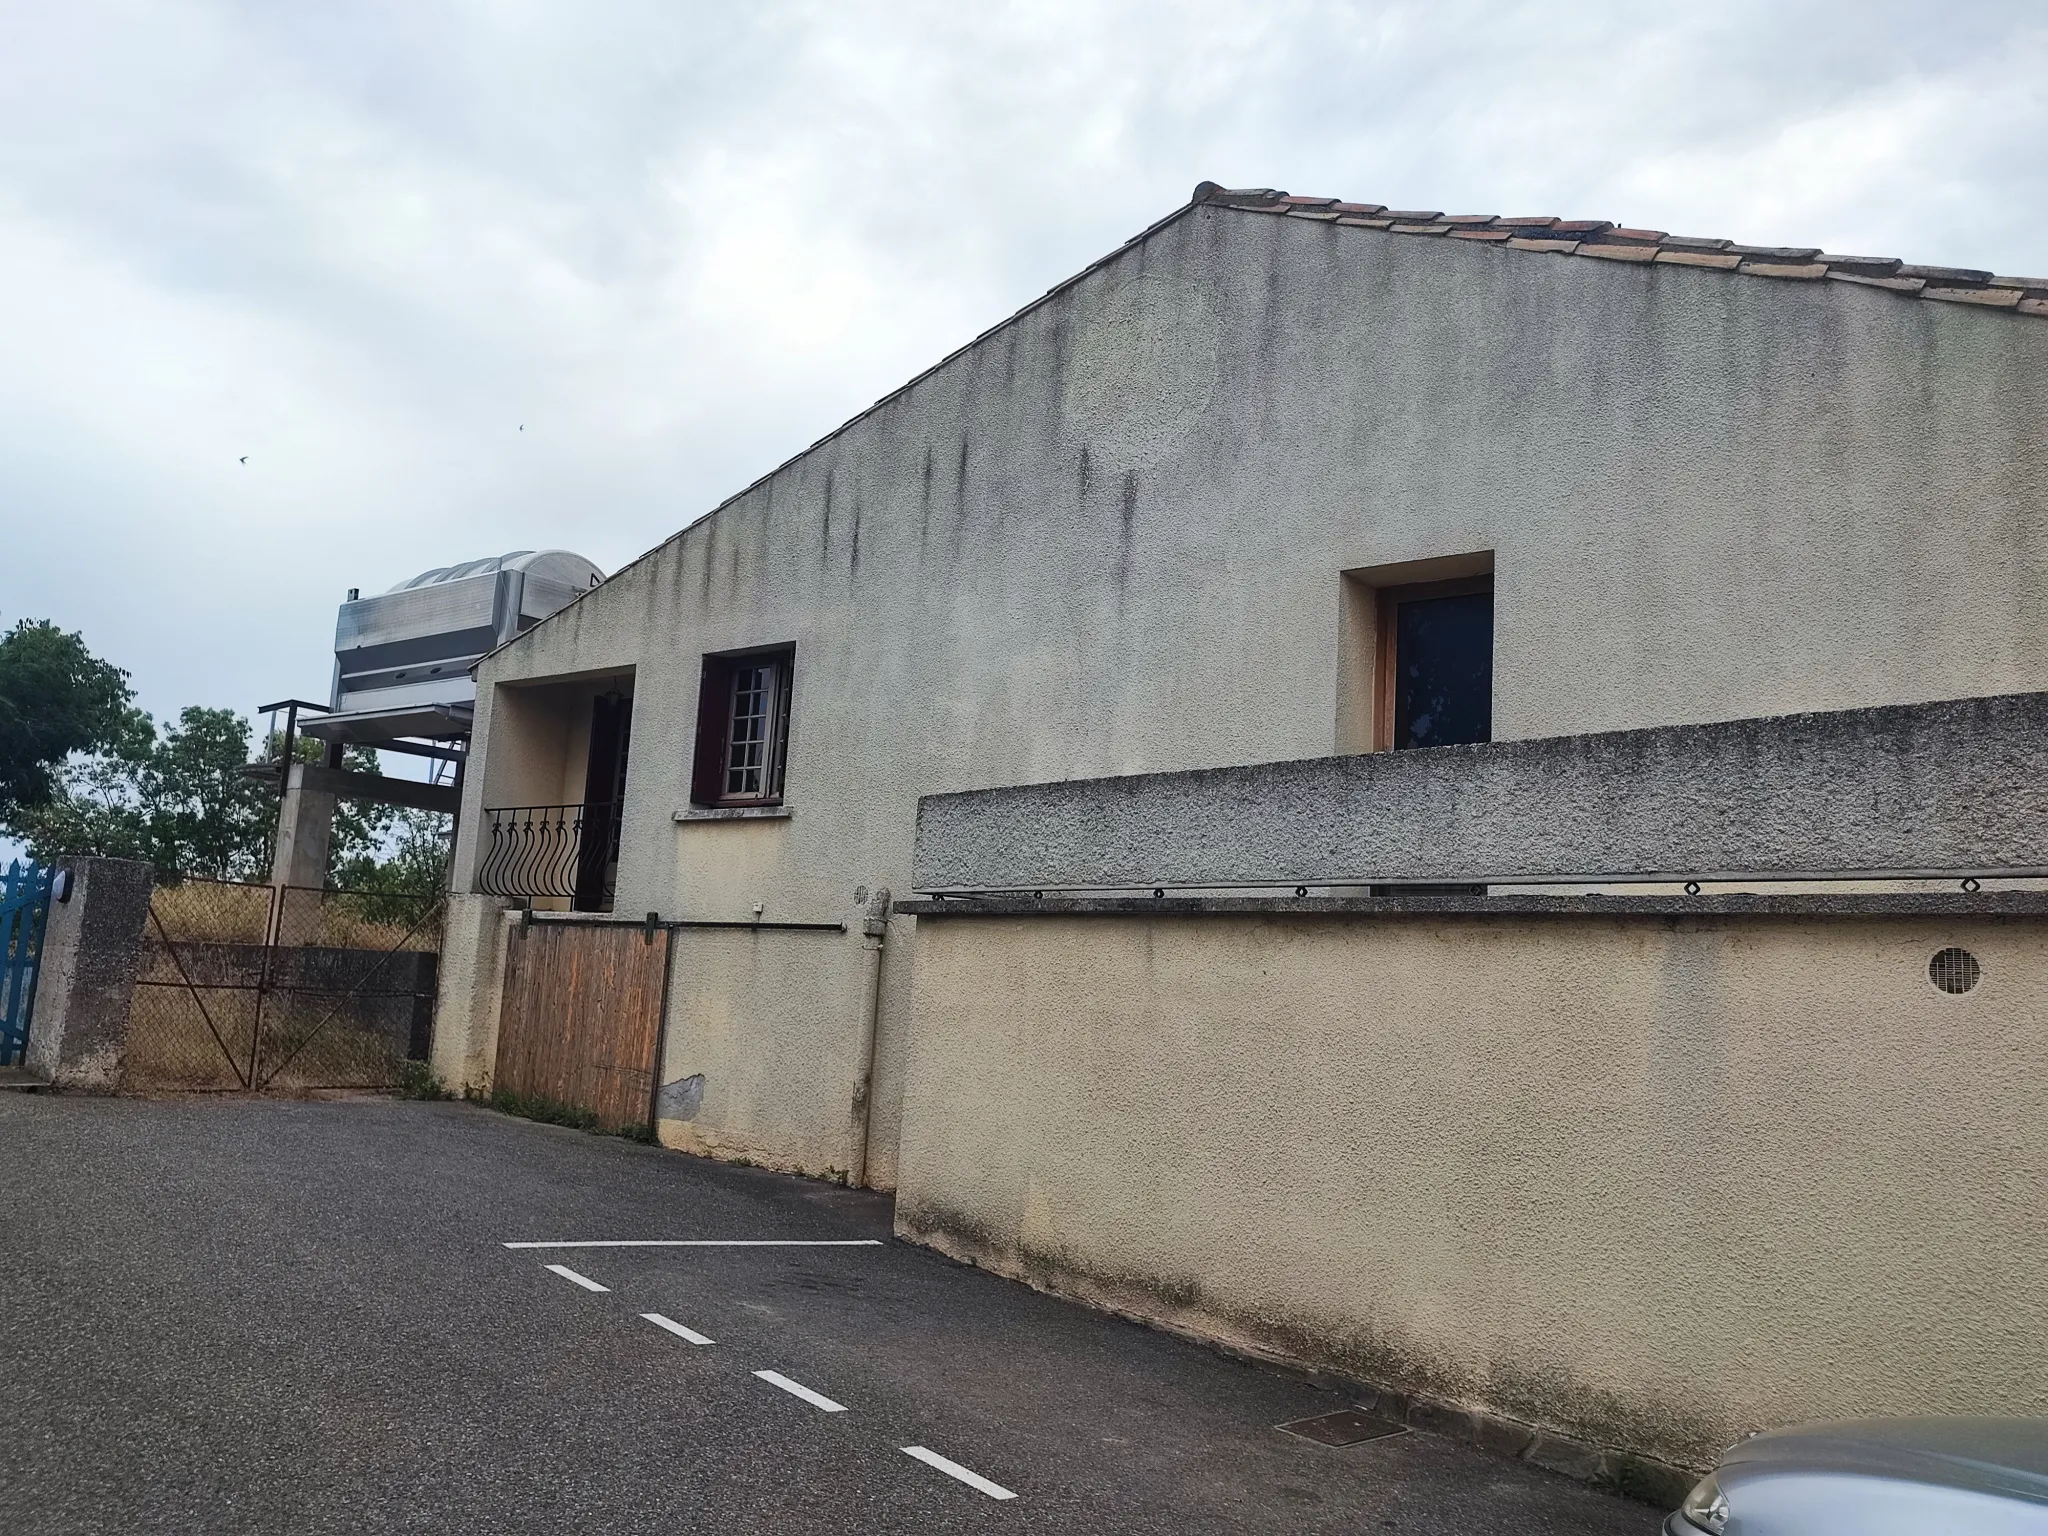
(56, 699)
(413, 861)
(181, 797)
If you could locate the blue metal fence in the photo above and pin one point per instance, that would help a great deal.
(24, 908)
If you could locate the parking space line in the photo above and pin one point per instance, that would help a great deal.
(676, 1328)
(798, 1389)
(953, 1469)
(583, 1280)
(712, 1242)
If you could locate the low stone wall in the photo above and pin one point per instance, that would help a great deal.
(1610, 1190)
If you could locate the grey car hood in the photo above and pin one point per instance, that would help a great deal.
(2008, 1457)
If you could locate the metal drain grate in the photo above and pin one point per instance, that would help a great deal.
(1347, 1426)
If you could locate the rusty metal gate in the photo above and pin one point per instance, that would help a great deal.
(243, 987)
(581, 1021)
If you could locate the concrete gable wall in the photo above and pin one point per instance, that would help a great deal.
(1107, 538)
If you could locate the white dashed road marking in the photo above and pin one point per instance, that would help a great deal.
(676, 1328)
(798, 1389)
(953, 1469)
(818, 1400)
(713, 1242)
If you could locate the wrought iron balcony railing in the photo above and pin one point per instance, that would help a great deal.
(564, 851)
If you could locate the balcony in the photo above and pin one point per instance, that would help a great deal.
(554, 853)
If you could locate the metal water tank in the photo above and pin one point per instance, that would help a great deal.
(402, 657)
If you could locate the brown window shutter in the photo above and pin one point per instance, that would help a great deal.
(714, 704)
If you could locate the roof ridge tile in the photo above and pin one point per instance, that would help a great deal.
(1968, 276)
(1606, 241)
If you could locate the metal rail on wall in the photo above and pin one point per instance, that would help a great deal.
(1971, 881)
(654, 920)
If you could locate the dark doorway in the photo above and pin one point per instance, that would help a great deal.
(1436, 648)
(604, 801)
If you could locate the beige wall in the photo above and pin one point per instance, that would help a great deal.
(1655, 1183)
(768, 1018)
(1110, 538)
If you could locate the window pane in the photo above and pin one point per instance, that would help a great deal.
(1443, 660)
(753, 689)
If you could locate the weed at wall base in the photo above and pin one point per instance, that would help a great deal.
(534, 1106)
(416, 1080)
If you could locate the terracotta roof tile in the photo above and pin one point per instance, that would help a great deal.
(1995, 298)
(1968, 277)
(1723, 259)
(1899, 284)
(1605, 241)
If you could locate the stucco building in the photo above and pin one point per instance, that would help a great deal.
(1281, 478)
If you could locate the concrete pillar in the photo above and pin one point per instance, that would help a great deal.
(305, 825)
(472, 984)
(91, 948)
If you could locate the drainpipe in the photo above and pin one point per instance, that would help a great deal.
(876, 929)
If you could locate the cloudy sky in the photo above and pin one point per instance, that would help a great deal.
(676, 242)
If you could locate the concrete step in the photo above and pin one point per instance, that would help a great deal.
(22, 1078)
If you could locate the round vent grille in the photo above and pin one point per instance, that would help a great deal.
(1954, 970)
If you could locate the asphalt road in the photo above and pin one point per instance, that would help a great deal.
(233, 1315)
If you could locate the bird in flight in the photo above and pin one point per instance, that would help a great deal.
(245, 458)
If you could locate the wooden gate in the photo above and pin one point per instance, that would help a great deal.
(581, 1019)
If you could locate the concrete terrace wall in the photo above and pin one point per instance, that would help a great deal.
(1957, 786)
(1107, 539)
(1649, 1171)
(1653, 1182)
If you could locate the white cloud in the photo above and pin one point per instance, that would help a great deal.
(678, 242)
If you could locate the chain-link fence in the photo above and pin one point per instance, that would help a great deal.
(247, 986)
